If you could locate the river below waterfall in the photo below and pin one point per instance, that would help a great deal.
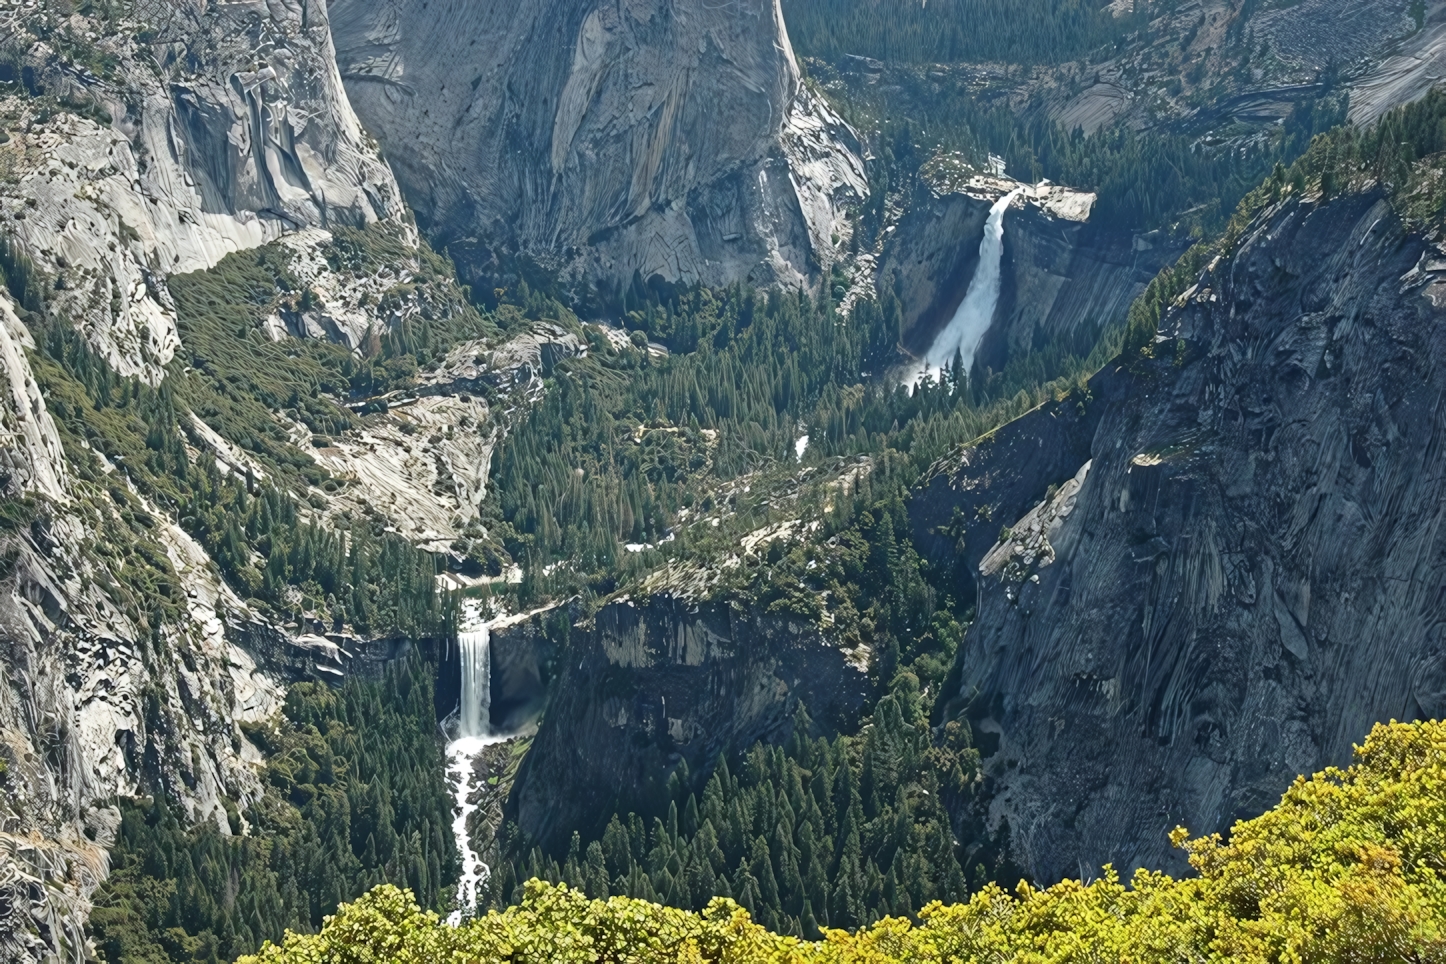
(474, 734)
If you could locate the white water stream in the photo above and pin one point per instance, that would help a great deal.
(474, 732)
(975, 313)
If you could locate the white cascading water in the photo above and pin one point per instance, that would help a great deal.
(476, 703)
(975, 313)
(474, 732)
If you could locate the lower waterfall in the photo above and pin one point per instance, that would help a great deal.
(474, 732)
(975, 313)
(473, 650)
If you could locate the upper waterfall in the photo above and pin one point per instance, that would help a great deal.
(975, 313)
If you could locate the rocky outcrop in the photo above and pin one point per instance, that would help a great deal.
(1064, 276)
(224, 126)
(1064, 281)
(424, 463)
(526, 657)
(669, 139)
(31, 460)
(142, 146)
(1412, 69)
(647, 684)
(932, 256)
(962, 504)
(1235, 564)
(101, 696)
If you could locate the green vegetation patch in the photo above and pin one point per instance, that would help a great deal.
(1345, 869)
(944, 31)
(262, 537)
(353, 799)
(686, 453)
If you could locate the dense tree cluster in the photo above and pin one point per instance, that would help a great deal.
(1010, 31)
(262, 537)
(1164, 177)
(818, 832)
(609, 454)
(1345, 870)
(1388, 155)
(240, 377)
(353, 799)
(1150, 179)
(628, 444)
(824, 833)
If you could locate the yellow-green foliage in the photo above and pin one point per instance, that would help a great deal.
(1347, 868)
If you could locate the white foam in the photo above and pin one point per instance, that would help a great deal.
(462, 756)
(474, 734)
(975, 313)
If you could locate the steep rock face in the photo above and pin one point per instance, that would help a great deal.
(671, 139)
(1411, 70)
(1063, 278)
(959, 508)
(203, 129)
(1244, 571)
(934, 253)
(646, 685)
(525, 660)
(98, 700)
(229, 127)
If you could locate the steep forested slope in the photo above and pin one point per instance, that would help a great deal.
(1040, 31)
(352, 800)
(1342, 869)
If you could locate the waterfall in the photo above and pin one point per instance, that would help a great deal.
(474, 733)
(476, 708)
(975, 313)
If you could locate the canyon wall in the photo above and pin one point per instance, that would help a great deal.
(1218, 567)
(648, 684)
(1065, 276)
(648, 137)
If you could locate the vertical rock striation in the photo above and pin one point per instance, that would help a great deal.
(228, 127)
(1065, 277)
(663, 138)
(1238, 568)
(202, 129)
(97, 703)
(646, 685)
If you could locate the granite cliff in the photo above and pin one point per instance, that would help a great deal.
(1066, 276)
(1219, 566)
(138, 147)
(647, 137)
(207, 130)
(649, 685)
(1254, 505)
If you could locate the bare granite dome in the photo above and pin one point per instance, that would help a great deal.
(671, 139)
